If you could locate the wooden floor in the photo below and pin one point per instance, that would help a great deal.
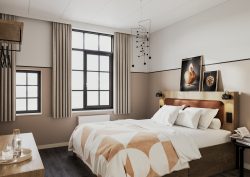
(58, 162)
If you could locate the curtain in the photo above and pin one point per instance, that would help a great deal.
(122, 56)
(61, 70)
(8, 83)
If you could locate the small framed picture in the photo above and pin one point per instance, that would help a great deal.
(191, 73)
(210, 81)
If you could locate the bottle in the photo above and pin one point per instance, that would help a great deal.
(16, 142)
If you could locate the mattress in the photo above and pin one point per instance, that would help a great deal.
(205, 138)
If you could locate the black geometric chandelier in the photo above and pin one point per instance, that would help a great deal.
(5, 57)
(141, 37)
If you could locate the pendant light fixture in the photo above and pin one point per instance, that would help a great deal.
(141, 39)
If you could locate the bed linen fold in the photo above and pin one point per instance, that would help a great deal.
(132, 148)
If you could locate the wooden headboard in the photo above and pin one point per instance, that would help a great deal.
(199, 104)
(208, 100)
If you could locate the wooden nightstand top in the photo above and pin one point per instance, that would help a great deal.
(29, 168)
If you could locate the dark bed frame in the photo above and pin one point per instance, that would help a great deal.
(215, 159)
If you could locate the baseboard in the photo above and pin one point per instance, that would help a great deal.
(47, 146)
(247, 166)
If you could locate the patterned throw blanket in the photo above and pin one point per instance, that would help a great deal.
(132, 148)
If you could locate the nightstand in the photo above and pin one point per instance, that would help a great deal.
(240, 148)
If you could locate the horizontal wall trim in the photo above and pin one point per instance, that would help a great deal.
(139, 72)
(218, 63)
(173, 69)
(33, 66)
(55, 145)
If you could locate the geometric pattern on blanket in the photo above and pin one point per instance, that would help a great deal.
(143, 150)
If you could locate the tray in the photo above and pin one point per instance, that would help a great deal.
(25, 155)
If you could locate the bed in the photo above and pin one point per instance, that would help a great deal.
(113, 149)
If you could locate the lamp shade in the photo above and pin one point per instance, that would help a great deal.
(11, 31)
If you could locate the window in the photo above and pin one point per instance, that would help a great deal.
(92, 70)
(28, 92)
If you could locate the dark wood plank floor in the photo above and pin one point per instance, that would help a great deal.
(58, 162)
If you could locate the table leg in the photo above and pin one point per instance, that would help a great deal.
(242, 162)
(237, 157)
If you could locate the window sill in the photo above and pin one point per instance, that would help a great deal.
(29, 114)
(94, 111)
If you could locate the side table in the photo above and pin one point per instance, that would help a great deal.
(30, 168)
(240, 148)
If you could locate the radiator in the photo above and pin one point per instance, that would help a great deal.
(93, 118)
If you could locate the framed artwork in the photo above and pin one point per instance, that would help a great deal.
(191, 73)
(210, 81)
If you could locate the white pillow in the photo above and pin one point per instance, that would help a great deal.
(188, 118)
(215, 124)
(206, 118)
(166, 115)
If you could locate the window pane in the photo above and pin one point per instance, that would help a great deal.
(77, 60)
(104, 98)
(105, 43)
(20, 78)
(77, 40)
(32, 104)
(104, 63)
(91, 41)
(20, 91)
(92, 62)
(20, 105)
(77, 99)
(92, 80)
(77, 80)
(104, 81)
(32, 79)
(32, 91)
(92, 98)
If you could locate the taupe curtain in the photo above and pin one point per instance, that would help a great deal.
(8, 83)
(122, 56)
(61, 70)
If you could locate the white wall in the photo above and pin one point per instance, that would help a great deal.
(36, 49)
(220, 34)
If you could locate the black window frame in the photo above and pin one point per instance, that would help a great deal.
(99, 53)
(38, 90)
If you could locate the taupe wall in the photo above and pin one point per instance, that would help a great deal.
(49, 131)
(36, 53)
(233, 77)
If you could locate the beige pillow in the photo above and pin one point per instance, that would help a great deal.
(188, 118)
(166, 115)
(215, 124)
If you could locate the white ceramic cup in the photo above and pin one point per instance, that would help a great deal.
(7, 153)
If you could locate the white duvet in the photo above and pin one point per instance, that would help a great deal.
(132, 148)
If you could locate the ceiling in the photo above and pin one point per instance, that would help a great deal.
(122, 14)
